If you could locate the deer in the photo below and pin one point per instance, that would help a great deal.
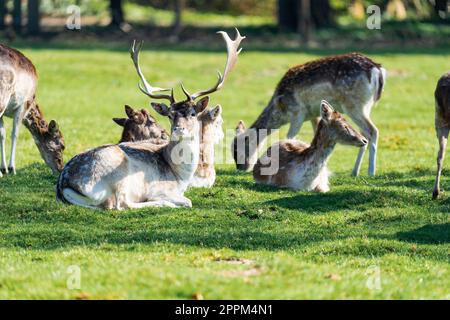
(351, 82)
(18, 83)
(143, 174)
(140, 125)
(442, 124)
(302, 166)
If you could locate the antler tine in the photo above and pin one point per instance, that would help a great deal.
(146, 88)
(233, 51)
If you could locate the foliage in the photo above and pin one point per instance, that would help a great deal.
(88, 7)
(240, 240)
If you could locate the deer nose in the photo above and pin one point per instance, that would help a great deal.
(364, 141)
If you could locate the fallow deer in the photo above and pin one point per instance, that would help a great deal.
(442, 124)
(302, 166)
(144, 174)
(140, 125)
(351, 82)
(18, 82)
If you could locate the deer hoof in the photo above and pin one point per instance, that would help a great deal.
(3, 171)
(435, 194)
(12, 170)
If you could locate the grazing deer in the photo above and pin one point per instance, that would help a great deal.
(442, 124)
(144, 174)
(140, 125)
(302, 166)
(352, 82)
(18, 82)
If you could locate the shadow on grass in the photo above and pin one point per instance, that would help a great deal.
(28, 219)
(428, 234)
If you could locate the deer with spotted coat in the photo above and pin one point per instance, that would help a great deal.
(143, 174)
(18, 83)
(352, 83)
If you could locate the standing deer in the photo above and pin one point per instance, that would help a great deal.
(140, 125)
(351, 82)
(442, 124)
(144, 174)
(302, 166)
(18, 82)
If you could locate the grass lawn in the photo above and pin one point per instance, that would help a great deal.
(239, 240)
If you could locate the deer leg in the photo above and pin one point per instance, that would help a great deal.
(371, 133)
(14, 138)
(296, 124)
(2, 147)
(154, 203)
(442, 134)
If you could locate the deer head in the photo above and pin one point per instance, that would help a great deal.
(48, 138)
(337, 127)
(140, 125)
(184, 115)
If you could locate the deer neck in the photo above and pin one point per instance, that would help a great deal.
(322, 145)
(34, 121)
(183, 156)
(272, 118)
(206, 159)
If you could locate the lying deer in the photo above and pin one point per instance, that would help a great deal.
(18, 82)
(302, 166)
(352, 82)
(144, 174)
(140, 125)
(442, 124)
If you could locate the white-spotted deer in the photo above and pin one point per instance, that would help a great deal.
(18, 82)
(144, 174)
(351, 82)
(302, 166)
(141, 126)
(442, 124)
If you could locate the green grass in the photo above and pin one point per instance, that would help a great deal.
(239, 240)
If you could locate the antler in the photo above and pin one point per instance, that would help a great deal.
(147, 88)
(232, 55)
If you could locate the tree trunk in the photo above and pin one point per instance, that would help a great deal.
(304, 22)
(17, 16)
(2, 14)
(116, 12)
(178, 6)
(287, 14)
(33, 17)
(321, 13)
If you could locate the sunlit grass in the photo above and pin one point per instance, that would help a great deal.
(239, 240)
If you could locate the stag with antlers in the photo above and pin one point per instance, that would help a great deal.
(144, 174)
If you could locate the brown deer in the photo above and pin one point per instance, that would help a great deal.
(144, 174)
(301, 166)
(351, 82)
(442, 124)
(18, 82)
(140, 125)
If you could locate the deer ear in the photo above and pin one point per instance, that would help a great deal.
(53, 127)
(326, 110)
(201, 104)
(240, 127)
(129, 111)
(215, 112)
(161, 108)
(120, 121)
